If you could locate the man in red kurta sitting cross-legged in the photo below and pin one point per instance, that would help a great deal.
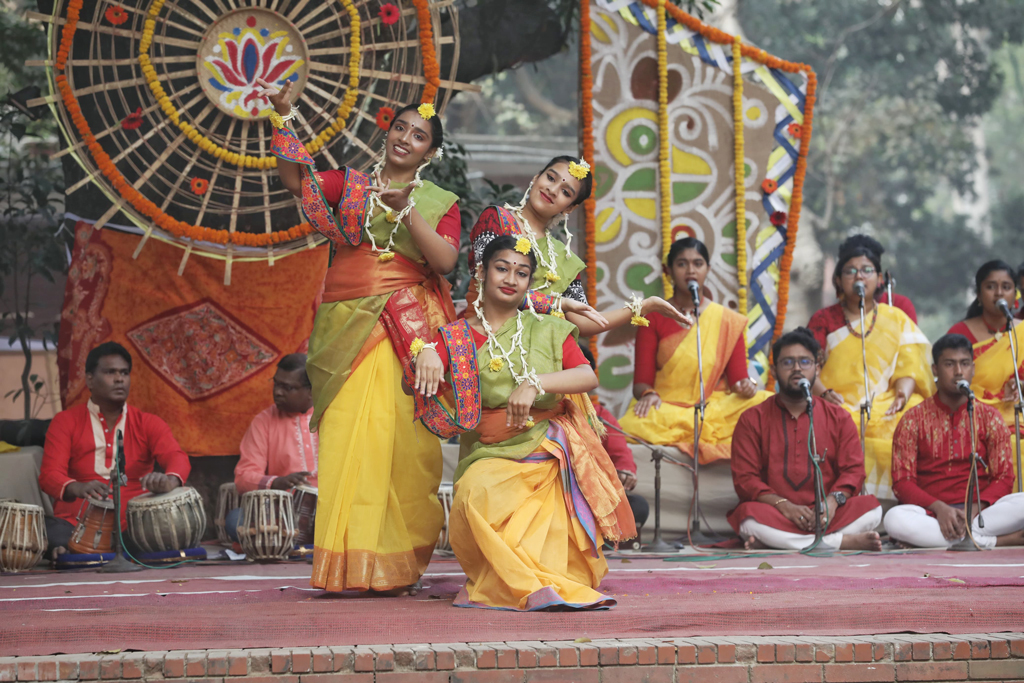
(774, 476)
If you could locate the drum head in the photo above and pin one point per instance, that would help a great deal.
(180, 494)
(307, 489)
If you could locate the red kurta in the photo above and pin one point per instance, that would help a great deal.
(931, 454)
(769, 455)
(275, 445)
(80, 447)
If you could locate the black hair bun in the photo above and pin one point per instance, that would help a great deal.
(865, 241)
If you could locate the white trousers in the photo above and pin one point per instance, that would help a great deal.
(912, 524)
(787, 540)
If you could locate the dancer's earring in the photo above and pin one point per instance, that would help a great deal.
(379, 166)
(568, 233)
(526, 197)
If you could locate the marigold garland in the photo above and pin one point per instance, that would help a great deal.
(587, 122)
(431, 69)
(132, 196)
(750, 52)
(740, 177)
(664, 171)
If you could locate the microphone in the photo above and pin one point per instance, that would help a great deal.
(694, 292)
(859, 288)
(964, 387)
(1005, 308)
(805, 386)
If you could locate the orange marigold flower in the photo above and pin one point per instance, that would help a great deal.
(389, 14)
(795, 129)
(769, 186)
(200, 185)
(385, 115)
(116, 15)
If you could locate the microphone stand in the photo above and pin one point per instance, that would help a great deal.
(819, 501)
(118, 479)
(889, 283)
(1018, 408)
(973, 487)
(697, 537)
(658, 545)
(865, 407)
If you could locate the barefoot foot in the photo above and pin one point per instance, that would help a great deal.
(869, 540)
(752, 543)
(401, 591)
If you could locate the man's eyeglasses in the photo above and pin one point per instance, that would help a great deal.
(866, 271)
(804, 363)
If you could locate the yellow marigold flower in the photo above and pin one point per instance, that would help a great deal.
(386, 256)
(390, 217)
(530, 423)
(495, 364)
(579, 171)
(416, 346)
(559, 314)
(276, 119)
(639, 321)
(552, 276)
(426, 110)
(523, 245)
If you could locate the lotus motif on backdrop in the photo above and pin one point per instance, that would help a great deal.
(242, 56)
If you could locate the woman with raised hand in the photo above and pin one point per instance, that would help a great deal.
(536, 494)
(393, 236)
(985, 328)
(665, 381)
(897, 353)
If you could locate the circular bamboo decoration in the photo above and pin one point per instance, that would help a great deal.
(109, 81)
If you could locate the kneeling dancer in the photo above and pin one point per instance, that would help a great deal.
(535, 493)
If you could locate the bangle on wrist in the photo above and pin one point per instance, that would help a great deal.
(780, 500)
(647, 392)
(636, 305)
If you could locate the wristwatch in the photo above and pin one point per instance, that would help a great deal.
(840, 498)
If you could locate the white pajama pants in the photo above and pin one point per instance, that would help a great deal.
(787, 540)
(912, 524)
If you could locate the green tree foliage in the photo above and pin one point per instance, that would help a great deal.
(902, 88)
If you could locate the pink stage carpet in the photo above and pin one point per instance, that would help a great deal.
(236, 605)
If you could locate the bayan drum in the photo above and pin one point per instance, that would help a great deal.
(95, 530)
(267, 528)
(304, 507)
(167, 521)
(22, 536)
(227, 500)
(445, 495)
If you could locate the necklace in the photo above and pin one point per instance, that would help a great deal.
(386, 254)
(855, 333)
(500, 355)
(997, 333)
(526, 230)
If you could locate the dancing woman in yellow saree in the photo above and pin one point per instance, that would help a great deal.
(666, 385)
(985, 327)
(898, 360)
(536, 494)
(392, 237)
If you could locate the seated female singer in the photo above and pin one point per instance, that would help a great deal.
(665, 382)
(985, 328)
(899, 372)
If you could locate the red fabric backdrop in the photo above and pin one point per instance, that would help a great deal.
(204, 353)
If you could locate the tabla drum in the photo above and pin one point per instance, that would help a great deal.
(227, 500)
(22, 536)
(267, 528)
(445, 495)
(95, 530)
(167, 521)
(304, 507)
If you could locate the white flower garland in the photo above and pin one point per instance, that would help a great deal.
(500, 353)
(526, 230)
(386, 254)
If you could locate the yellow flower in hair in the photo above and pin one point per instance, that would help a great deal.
(426, 110)
(495, 364)
(579, 171)
(523, 246)
(416, 346)
(552, 276)
(386, 256)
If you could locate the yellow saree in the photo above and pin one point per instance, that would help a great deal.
(678, 385)
(895, 348)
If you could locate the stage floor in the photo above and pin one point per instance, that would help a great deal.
(223, 605)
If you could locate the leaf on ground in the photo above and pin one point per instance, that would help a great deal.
(179, 580)
(765, 565)
(584, 639)
(109, 652)
(627, 562)
(956, 581)
(705, 566)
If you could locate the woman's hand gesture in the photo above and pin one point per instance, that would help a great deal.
(396, 200)
(429, 372)
(587, 311)
(281, 99)
(655, 304)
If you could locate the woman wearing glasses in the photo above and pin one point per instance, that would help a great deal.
(665, 381)
(895, 350)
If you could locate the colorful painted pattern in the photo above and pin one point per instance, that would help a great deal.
(700, 83)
